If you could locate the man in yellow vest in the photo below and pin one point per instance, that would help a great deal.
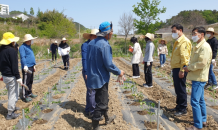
(180, 58)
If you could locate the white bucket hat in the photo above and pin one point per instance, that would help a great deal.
(149, 35)
(28, 37)
(64, 39)
(56, 42)
(211, 30)
(93, 32)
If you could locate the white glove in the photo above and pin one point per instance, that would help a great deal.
(25, 68)
(121, 79)
(213, 62)
(34, 69)
(20, 81)
(148, 63)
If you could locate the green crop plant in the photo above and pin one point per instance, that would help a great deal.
(59, 92)
(56, 102)
(140, 96)
(55, 87)
(213, 94)
(45, 99)
(66, 87)
(67, 82)
(151, 105)
(36, 107)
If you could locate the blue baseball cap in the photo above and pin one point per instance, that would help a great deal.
(105, 26)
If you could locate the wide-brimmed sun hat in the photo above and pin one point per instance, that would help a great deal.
(104, 29)
(163, 40)
(8, 38)
(56, 42)
(150, 36)
(211, 30)
(93, 32)
(28, 37)
(64, 39)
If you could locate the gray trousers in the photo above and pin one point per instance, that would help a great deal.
(13, 92)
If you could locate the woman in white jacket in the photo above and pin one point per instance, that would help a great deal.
(137, 57)
(64, 50)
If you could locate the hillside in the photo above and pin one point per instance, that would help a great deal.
(82, 28)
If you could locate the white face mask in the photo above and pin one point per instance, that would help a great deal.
(175, 35)
(195, 38)
(208, 35)
(32, 42)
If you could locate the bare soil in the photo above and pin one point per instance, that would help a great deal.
(40, 121)
(142, 112)
(151, 125)
(135, 104)
(126, 92)
(130, 97)
(47, 110)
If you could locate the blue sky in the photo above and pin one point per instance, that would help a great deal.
(92, 13)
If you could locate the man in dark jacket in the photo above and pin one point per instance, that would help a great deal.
(214, 46)
(53, 50)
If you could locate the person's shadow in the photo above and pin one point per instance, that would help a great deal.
(76, 122)
(3, 110)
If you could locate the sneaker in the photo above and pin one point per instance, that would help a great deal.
(215, 87)
(28, 99)
(138, 76)
(207, 86)
(161, 66)
(12, 116)
(134, 77)
(181, 113)
(146, 86)
(33, 96)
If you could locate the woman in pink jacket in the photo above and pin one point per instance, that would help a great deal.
(162, 51)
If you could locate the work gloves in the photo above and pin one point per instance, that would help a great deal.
(20, 81)
(25, 68)
(121, 79)
(213, 62)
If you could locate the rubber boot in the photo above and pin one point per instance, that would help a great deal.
(95, 125)
(108, 119)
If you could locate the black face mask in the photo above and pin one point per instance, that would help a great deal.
(147, 39)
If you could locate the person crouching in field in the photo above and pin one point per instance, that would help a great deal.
(148, 60)
(162, 52)
(53, 50)
(10, 72)
(137, 57)
(64, 50)
(198, 71)
(90, 93)
(28, 63)
(99, 67)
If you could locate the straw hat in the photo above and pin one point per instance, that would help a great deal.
(8, 38)
(64, 39)
(150, 36)
(93, 32)
(163, 40)
(211, 30)
(28, 37)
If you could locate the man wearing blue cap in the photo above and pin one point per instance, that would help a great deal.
(99, 66)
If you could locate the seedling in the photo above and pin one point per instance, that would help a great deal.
(45, 99)
(59, 92)
(140, 96)
(214, 96)
(151, 105)
(66, 87)
(67, 82)
(53, 102)
(55, 87)
(37, 107)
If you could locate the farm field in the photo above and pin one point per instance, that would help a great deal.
(62, 97)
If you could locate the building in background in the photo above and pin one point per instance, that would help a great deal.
(4, 9)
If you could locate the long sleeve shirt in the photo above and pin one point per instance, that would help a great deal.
(84, 54)
(214, 46)
(53, 48)
(27, 56)
(149, 51)
(137, 54)
(200, 62)
(63, 49)
(162, 49)
(181, 53)
(9, 63)
(99, 63)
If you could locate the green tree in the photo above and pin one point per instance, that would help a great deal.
(31, 11)
(25, 12)
(39, 12)
(148, 12)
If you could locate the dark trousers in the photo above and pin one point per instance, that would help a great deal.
(66, 60)
(90, 98)
(101, 99)
(148, 74)
(28, 81)
(180, 89)
(135, 69)
(54, 55)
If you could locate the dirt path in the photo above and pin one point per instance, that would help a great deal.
(73, 118)
(38, 89)
(168, 101)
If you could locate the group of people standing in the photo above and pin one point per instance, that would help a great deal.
(195, 64)
(10, 72)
